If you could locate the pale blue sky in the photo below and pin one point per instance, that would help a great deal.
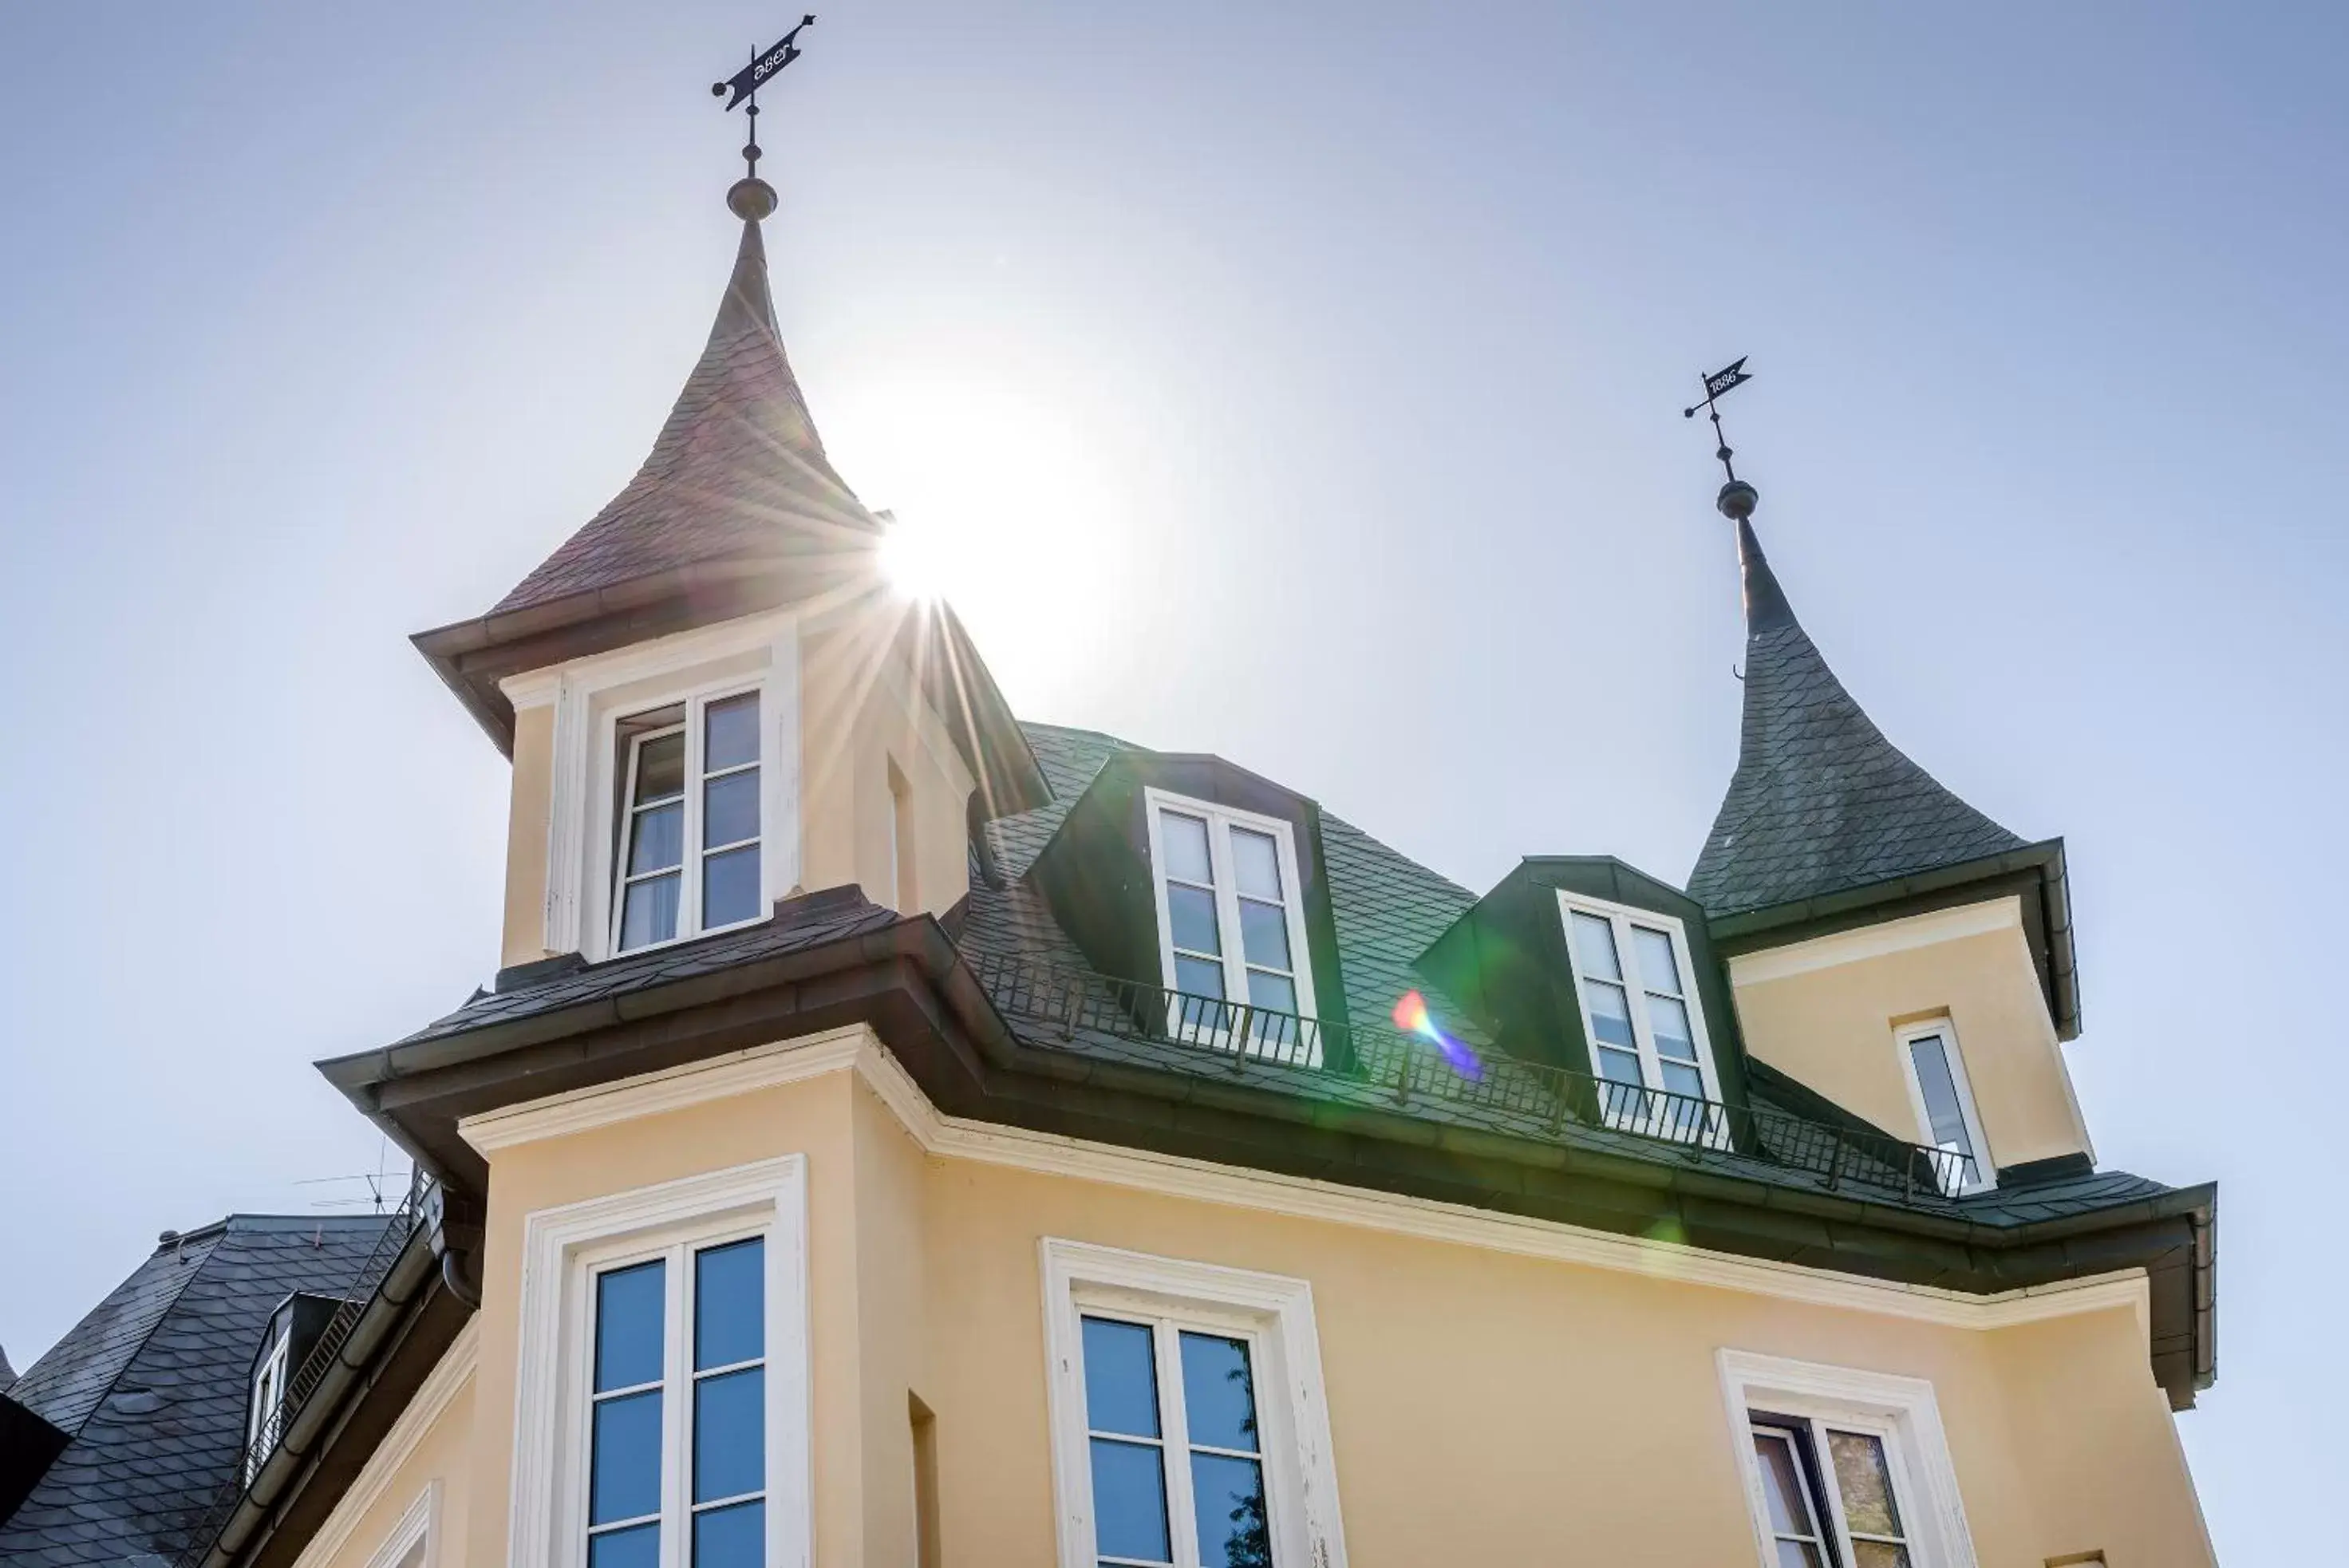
(1295, 381)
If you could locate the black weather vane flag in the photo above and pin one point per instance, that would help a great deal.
(1716, 386)
(745, 83)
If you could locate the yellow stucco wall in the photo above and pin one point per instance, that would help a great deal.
(533, 783)
(1825, 1012)
(1485, 1406)
(440, 1456)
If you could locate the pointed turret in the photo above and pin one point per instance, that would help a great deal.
(738, 471)
(1821, 802)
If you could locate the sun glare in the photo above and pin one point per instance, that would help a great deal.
(909, 560)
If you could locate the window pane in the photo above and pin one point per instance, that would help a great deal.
(1273, 991)
(628, 1309)
(1121, 1386)
(1227, 1499)
(1611, 1015)
(1191, 919)
(1256, 864)
(732, 1537)
(729, 886)
(1782, 1485)
(1865, 1483)
(1878, 1554)
(660, 768)
(1669, 1022)
(731, 733)
(1264, 934)
(1620, 1066)
(1129, 1501)
(1196, 977)
(650, 913)
(1185, 839)
(729, 1295)
(730, 809)
(1683, 1079)
(1942, 1112)
(1218, 1394)
(624, 1478)
(635, 1547)
(659, 840)
(1657, 971)
(1594, 946)
(730, 1434)
(1798, 1555)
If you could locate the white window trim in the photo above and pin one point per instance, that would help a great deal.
(1985, 1168)
(1625, 916)
(415, 1538)
(1277, 1315)
(1227, 912)
(579, 863)
(1901, 1410)
(548, 1523)
(272, 1374)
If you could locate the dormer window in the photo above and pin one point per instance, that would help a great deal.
(1641, 1015)
(688, 856)
(1231, 916)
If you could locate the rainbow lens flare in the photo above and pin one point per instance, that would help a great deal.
(1412, 1016)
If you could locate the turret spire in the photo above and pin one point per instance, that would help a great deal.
(1821, 802)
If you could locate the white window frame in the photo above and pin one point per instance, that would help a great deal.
(697, 703)
(1623, 917)
(1900, 1411)
(267, 1396)
(563, 1250)
(1272, 1314)
(1221, 820)
(1903, 1040)
(588, 696)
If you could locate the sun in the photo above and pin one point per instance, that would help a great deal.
(911, 559)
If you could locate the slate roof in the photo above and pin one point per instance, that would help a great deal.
(1821, 802)
(738, 471)
(150, 1386)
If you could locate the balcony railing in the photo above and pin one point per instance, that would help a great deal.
(353, 1294)
(1530, 1098)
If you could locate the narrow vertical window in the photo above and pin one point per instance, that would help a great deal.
(1231, 924)
(623, 1462)
(1646, 1030)
(1791, 1498)
(677, 1391)
(901, 862)
(690, 831)
(1945, 1106)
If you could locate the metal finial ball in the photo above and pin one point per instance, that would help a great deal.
(753, 200)
(1737, 500)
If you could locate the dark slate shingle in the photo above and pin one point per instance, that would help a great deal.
(1821, 802)
(152, 1387)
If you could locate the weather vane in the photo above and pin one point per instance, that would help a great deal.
(1737, 497)
(745, 84)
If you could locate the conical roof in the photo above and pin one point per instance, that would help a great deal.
(737, 473)
(1821, 802)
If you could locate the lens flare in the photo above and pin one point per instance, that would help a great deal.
(1412, 1016)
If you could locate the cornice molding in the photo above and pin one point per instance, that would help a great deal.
(1877, 940)
(858, 1049)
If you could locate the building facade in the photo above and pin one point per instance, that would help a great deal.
(900, 1132)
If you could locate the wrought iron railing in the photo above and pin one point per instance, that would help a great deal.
(1527, 1097)
(353, 1293)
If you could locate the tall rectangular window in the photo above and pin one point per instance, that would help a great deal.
(1944, 1103)
(1829, 1494)
(1189, 1423)
(676, 1460)
(1642, 1017)
(1231, 916)
(690, 826)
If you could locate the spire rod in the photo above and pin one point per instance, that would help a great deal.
(1737, 498)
